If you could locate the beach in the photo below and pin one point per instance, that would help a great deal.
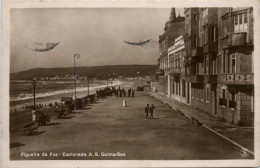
(51, 91)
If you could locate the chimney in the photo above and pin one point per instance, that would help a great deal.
(173, 14)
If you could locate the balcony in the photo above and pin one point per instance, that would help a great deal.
(232, 104)
(197, 51)
(196, 78)
(237, 39)
(160, 72)
(211, 79)
(238, 79)
(223, 102)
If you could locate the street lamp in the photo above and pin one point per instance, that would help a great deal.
(75, 56)
(88, 85)
(34, 85)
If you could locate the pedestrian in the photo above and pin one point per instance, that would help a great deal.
(133, 93)
(146, 110)
(151, 110)
(129, 92)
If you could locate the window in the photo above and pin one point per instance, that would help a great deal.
(173, 87)
(207, 64)
(192, 93)
(195, 41)
(233, 63)
(224, 28)
(213, 34)
(232, 96)
(240, 23)
(232, 99)
(183, 88)
(224, 93)
(214, 66)
(202, 38)
(207, 93)
(205, 35)
(223, 101)
(202, 92)
(195, 16)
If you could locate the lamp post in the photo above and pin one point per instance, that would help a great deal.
(75, 80)
(34, 85)
(88, 85)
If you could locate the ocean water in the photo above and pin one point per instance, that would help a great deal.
(21, 92)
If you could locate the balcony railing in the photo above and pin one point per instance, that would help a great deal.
(232, 104)
(223, 102)
(237, 39)
(241, 78)
(197, 78)
(197, 51)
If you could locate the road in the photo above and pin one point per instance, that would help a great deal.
(110, 128)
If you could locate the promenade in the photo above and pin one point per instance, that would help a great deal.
(107, 127)
(243, 136)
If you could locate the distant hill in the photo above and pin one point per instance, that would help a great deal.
(99, 72)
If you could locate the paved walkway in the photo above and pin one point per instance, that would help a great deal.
(241, 135)
(107, 127)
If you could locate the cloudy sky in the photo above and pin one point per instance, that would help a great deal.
(96, 34)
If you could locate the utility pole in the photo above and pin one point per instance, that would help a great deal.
(75, 80)
(88, 85)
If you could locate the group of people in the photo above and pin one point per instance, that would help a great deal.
(122, 92)
(148, 109)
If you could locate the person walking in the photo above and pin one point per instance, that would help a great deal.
(151, 110)
(129, 92)
(146, 111)
(133, 93)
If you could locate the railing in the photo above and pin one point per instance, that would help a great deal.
(232, 104)
(223, 102)
(239, 78)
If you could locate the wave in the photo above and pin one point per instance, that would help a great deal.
(39, 95)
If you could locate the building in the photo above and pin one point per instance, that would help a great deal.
(235, 89)
(173, 28)
(178, 88)
(201, 46)
(206, 61)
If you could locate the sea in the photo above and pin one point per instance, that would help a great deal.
(21, 91)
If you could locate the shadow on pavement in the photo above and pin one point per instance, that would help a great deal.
(53, 123)
(36, 133)
(67, 117)
(16, 144)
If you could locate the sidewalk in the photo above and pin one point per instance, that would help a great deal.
(239, 136)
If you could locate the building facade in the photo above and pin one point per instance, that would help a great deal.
(173, 28)
(235, 88)
(178, 88)
(208, 64)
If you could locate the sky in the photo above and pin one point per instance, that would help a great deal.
(97, 34)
